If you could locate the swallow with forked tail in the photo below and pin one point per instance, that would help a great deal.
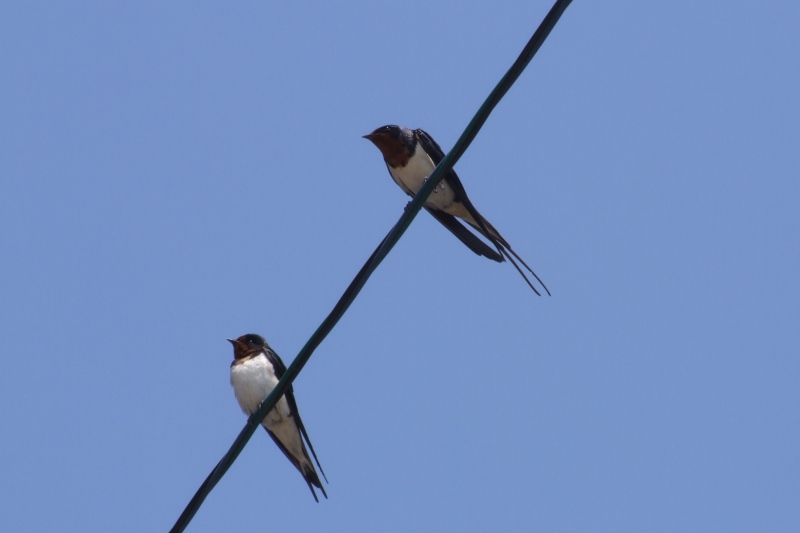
(255, 371)
(411, 156)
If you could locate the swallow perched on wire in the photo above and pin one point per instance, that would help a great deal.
(411, 156)
(255, 371)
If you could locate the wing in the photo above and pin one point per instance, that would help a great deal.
(436, 153)
(483, 226)
(276, 361)
(449, 221)
(464, 235)
(280, 369)
(309, 476)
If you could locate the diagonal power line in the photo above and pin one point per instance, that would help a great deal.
(374, 260)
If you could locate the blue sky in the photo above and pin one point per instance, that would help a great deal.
(177, 174)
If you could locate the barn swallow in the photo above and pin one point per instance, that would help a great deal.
(411, 157)
(255, 371)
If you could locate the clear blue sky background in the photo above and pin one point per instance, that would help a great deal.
(175, 174)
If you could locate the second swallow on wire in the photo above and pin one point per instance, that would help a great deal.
(411, 156)
(255, 371)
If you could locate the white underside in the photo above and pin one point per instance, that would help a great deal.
(252, 382)
(411, 177)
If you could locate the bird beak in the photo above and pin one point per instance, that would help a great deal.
(232, 341)
(367, 136)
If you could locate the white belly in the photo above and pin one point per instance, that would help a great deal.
(411, 177)
(252, 382)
